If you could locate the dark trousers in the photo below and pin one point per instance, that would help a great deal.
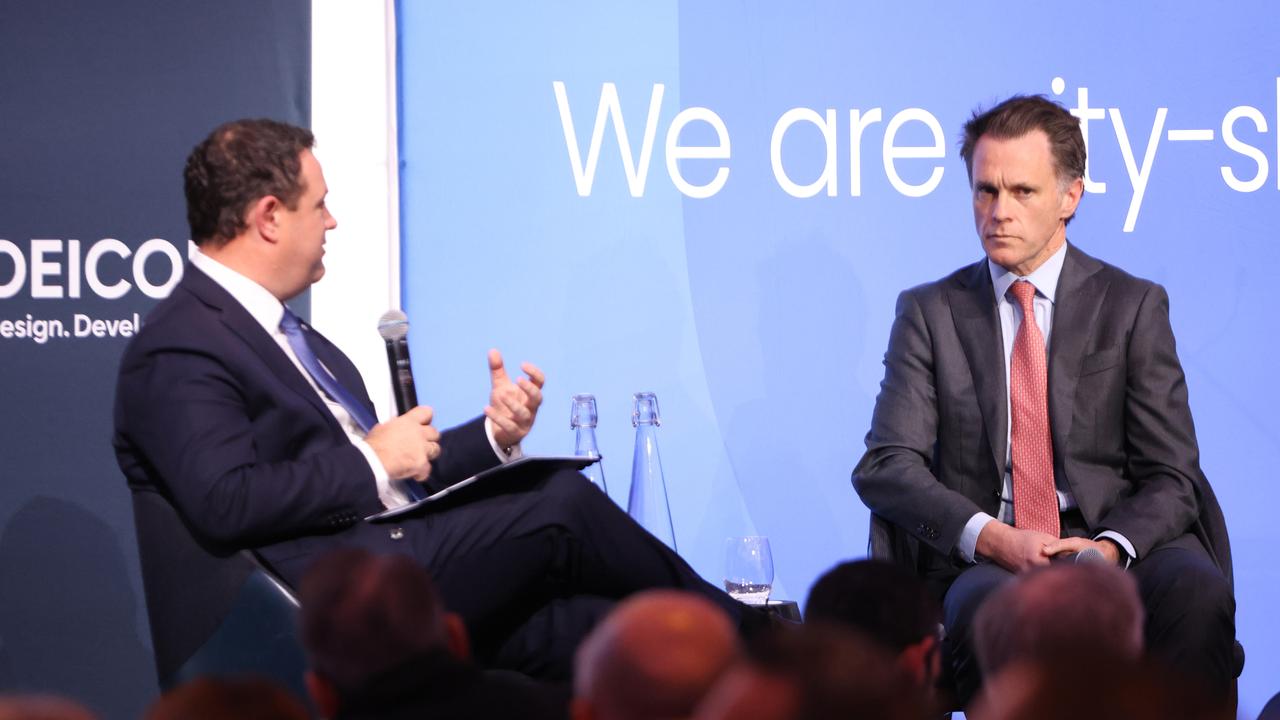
(1190, 624)
(532, 562)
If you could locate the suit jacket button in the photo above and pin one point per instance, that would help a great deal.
(397, 533)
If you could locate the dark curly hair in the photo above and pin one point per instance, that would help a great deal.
(240, 162)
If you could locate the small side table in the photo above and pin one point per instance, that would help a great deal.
(788, 610)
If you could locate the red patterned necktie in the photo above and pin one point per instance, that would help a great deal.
(1035, 504)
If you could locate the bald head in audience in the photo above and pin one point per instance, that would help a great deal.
(654, 656)
(1089, 609)
(1074, 685)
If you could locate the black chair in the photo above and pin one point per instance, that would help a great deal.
(212, 611)
(1271, 711)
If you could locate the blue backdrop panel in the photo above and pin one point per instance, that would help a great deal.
(101, 102)
(757, 303)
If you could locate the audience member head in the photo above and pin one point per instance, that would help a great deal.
(41, 707)
(1079, 684)
(1084, 609)
(210, 698)
(654, 656)
(821, 671)
(888, 604)
(364, 615)
(237, 164)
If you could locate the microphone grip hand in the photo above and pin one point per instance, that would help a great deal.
(406, 445)
(1084, 550)
(1014, 549)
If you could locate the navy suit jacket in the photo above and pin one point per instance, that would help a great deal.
(1123, 437)
(211, 414)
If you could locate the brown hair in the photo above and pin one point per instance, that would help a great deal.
(1022, 114)
(365, 614)
(240, 162)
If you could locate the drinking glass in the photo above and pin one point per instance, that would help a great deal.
(748, 569)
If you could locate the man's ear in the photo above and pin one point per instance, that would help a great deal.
(921, 661)
(1071, 198)
(262, 217)
(322, 694)
(456, 636)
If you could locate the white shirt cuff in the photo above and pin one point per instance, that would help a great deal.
(506, 455)
(1123, 542)
(388, 491)
(968, 545)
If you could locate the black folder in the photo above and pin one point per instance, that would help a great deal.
(493, 474)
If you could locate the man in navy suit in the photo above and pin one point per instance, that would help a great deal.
(260, 434)
(1033, 407)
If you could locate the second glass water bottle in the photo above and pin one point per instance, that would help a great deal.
(647, 503)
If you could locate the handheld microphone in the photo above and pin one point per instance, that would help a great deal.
(1089, 556)
(393, 326)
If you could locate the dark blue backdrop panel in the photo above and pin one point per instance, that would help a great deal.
(757, 304)
(101, 102)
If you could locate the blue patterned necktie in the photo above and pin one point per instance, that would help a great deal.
(292, 329)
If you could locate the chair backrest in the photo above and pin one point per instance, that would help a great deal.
(212, 610)
(885, 541)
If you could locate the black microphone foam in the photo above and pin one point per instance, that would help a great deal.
(393, 326)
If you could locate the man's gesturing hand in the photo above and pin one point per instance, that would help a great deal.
(1013, 549)
(513, 406)
(406, 445)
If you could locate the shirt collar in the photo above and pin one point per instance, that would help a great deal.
(257, 300)
(1044, 278)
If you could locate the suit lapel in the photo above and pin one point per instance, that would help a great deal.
(241, 323)
(1078, 299)
(973, 310)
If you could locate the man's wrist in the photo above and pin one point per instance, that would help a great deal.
(967, 547)
(989, 539)
(505, 452)
(1112, 550)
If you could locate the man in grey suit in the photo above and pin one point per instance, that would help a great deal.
(998, 444)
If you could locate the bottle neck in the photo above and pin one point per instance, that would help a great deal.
(585, 445)
(647, 438)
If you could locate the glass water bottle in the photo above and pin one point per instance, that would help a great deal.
(647, 503)
(582, 419)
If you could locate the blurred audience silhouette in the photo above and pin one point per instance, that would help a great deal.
(381, 645)
(653, 657)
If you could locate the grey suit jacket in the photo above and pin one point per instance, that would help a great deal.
(1123, 437)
